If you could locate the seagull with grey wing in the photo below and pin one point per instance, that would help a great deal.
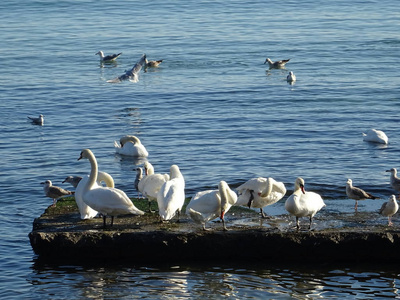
(356, 193)
(132, 74)
(394, 180)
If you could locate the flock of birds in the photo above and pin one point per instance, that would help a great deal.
(96, 194)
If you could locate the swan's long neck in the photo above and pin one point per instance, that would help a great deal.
(93, 171)
(268, 189)
(226, 198)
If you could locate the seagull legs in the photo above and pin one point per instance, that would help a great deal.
(390, 221)
(355, 207)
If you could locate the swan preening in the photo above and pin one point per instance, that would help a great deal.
(389, 208)
(108, 58)
(132, 74)
(280, 64)
(260, 192)
(211, 204)
(171, 196)
(37, 121)
(376, 136)
(108, 201)
(302, 203)
(130, 145)
(54, 192)
(151, 183)
(356, 193)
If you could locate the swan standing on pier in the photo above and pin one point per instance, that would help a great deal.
(356, 193)
(151, 183)
(85, 210)
(211, 204)
(302, 203)
(260, 192)
(389, 208)
(106, 200)
(171, 196)
(130, 145)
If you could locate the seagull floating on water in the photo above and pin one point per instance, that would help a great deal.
(291, 77)
(389, 208)
(280, 64)
(376, 136)
(73, 180)
(394, 180)
(108, 58)
(54, 192)
(153, 63)
(302, 203)
(37, 121)
(356, 193)
(132, 74)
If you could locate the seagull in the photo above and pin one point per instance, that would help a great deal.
(280, 64)
(394, 180)
(108, 58)
(54, 192)
(73, 180)
(389, 208)
(153, 63)
(291, 77)
(37, 121)
(376, 136)
(132, 74)
(356, 193)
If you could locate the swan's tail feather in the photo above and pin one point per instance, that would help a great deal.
(196, 216)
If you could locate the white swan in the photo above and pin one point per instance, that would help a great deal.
(108, 58)
(171, 196)
(376, 136)
(260, 192)
(356, 193)
(302, 203)
(54, 192)
(130, 145)
(211, 204)
(389, 208)
(85, 210)
(291, 77)
(106, 200)
(280, 64)
(151, 183)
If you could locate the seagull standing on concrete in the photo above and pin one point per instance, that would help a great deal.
(54, 192)
(356, 193)
(389, 208)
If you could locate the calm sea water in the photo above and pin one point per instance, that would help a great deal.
(213, 108)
